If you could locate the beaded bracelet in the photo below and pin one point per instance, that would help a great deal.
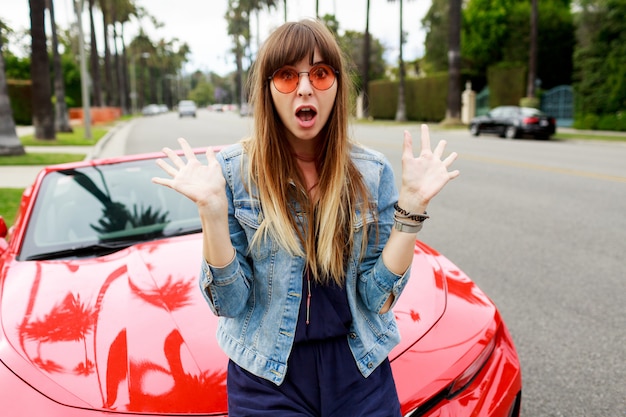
(400, 212)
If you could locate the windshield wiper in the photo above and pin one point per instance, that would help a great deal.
(97, 249)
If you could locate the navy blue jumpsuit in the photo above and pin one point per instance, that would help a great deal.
(322, 377)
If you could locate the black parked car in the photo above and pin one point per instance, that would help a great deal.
(514, 122)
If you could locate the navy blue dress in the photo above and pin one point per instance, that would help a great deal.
(322, 377)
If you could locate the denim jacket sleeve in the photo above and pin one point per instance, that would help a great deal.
(375, 281)
(227, 288)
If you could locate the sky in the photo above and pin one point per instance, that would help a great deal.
(201, 24)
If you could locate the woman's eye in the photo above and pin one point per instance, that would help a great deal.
(287, 75)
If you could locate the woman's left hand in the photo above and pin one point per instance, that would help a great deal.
(423, 177)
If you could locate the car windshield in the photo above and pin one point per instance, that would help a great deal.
(94, 210)
(529, 111)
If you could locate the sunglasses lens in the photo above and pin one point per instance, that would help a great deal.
(321, 76)
(285, 80)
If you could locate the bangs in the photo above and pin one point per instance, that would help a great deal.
(298, 41)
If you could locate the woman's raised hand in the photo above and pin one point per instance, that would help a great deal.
(423, 177)
(202, 184)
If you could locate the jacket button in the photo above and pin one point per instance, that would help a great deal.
(370, 365)
(352, 335)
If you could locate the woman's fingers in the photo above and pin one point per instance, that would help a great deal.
(425, 139)
(187, 151)
(407, 149)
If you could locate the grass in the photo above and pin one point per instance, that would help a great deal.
(586, 136)
(41, 158)
(75, 138)
(10, 203)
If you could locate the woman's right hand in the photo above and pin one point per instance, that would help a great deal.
(202, 184)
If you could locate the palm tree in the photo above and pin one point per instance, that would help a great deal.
(9, 142)
(366, 61)
(532, 56)
(117, 61)
(43, 114)
(61, 117)
(94, 60)
(453, 109)
(401, 110)
(124, 9)
(107, 82)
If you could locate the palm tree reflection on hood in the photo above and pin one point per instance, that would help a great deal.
(70, 320)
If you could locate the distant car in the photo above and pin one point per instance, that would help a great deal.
(514, 122)
(151, 110)
(163, 108)
(246, 110)
(187, 108)
(101, 314)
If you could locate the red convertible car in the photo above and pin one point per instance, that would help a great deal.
(101, 314)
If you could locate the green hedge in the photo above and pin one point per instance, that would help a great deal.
(21, 103)
(425, 98)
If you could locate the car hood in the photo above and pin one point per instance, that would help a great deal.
(131, 332)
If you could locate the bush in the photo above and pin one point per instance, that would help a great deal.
(615, 122)
(21, 104)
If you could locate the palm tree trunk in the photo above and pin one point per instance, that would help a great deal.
(9, 142)
(401, 110)
(120, 100)
(124, 82)
(43, 114)
(108, 72)
(453, 109)
(61, 117)
(94, 61)
(532, 55)
(366, 61)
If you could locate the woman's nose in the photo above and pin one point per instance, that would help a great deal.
(304, 84)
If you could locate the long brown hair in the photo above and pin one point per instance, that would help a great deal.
(326, 238)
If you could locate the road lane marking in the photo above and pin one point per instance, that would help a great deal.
(573, 172)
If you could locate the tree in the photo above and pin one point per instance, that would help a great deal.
(61, 117)
(600, 73)
(366, 60)
(107, 79)
(9, 142)
(96, 88)
(496, 31)
(453, 109)
(43, 114)
(436, 23)
(532, 54)
(401, 110)
(352, 44)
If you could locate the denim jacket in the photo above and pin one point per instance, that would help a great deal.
(258, 294)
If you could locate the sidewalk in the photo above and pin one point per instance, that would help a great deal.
(112, 144)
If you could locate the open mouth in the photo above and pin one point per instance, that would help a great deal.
(306, 114)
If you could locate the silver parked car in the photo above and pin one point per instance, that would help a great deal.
(187, 108)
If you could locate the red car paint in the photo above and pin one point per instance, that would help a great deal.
(129, 332)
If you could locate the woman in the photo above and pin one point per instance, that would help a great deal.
(306, 242)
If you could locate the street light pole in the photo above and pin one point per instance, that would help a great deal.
(84, 80)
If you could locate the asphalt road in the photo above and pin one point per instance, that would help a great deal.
(539, 225)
